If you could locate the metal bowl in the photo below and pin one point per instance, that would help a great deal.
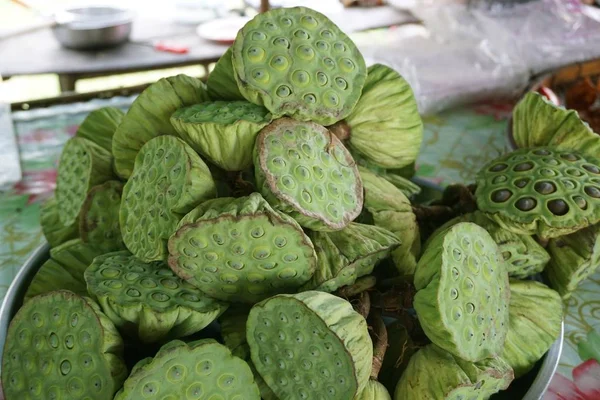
(529, 387)
(87, 28)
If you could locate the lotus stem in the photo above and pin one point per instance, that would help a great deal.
(341, 129)
(381, 343)
(363, 307)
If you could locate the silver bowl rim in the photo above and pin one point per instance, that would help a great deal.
(12, 302)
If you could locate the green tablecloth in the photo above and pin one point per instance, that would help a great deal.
(456, 144)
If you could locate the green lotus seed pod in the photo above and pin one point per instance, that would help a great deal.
(535, 318)
(345, 255)
(222, 131)
(296, 62)
(53, 276)
(310, 345)
(169, 179)
(83, 164)
(99, 218)
(538, 122)
(241, 250)
(100, 126)
(385, 127)
(433, 373)
(306, 172)
(523, 255)
(374, 391)
(201, 369)
(147, 299)
(75, 256)
(462, 292)
(149, 117)
(392, 210)
(574, 258)
(400, 350)
(541, 191)
(60, 346)
(54, 231)
(221, 84)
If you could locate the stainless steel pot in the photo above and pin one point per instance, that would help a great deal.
(530, 387)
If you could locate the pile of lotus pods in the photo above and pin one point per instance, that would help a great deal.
(257, 237)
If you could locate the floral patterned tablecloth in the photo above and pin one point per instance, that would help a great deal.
(456, 144)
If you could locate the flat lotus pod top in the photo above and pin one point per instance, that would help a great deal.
(541, 191)
(83, 164)
(54, 231)
(169, 179)
(305, 171)
(99, 218)
(463, 293)
(202, 369)
(149, 117)
(60, 346)
(296, 62)
(310, 345)
(241, 250)
(148, 297)
(222, 131)
(433, 373)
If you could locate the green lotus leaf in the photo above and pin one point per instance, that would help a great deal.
(574, 258)
(147, 300)
(100, 126)
(399, 351)
(195, 370)
(241, 250)
(296, 62)
(224, 132)
(347, 254)
(541, 191)
(169, 179)
(538, 122)
(391, 209)
(535, 318)
(60, 346)
(221, 84)
(309, 345)
(433, 373)
(99, 218)
(523, 255)
(83, 164)
(462, 292)
(385, 127)
(54, 231)
(374, 391)
(306, 172)
(149, 117)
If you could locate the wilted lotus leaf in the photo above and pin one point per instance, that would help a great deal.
(149, 117)
(60, 346)
(400, 350)
(392, 210)
(535, 318)
(538, 122)
(221, 83)
(296, 62)
(541, 191)
(241, 250)
(433, 373)
(147, 299)
(347, 254)
(463, 293)
(385, 127)
(99, 219)
(54, 231)
(222, 131)
(83, 164)
(574, 258)
(169, 179)
(197, 370)
(100, 126)
(523, 255)
(306, 172)
(310, 345)
(374, 391)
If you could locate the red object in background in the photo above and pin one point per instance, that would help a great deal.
(549, 94)
(587, 379)
(169, 48)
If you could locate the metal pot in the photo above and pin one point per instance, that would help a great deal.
(529, 387)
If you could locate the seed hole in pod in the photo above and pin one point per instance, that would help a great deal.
(322, 78)
(302, 173)
(261, 253)
(260, 75)
(592, 168)
(457, 254)
(331, 98)
(288, 182)
(558, 207)
(211, 269)
(280, 62)
(521, 183)
(498, 167)
(285, 21)
(53, 340)
(574, 172)
(259, 36)
(322, 45)
(309, 21)
(551, 161)
(547, 172)
(327, 34)
(270, 26)
(469, 334)
(545, 187)
(453, 294)
(502, 195)
(526, 203)
(592, 191)
(133, 292)
(305, 52)
(569, 184)
(347, 65)
(470, 307)
(229, 278)
(257, 232)
(310, 98)
(569, 157)
(581, 202)
(301, 34)
(329, 63)
(288, 258)
(281, 42)
(541, 152)
(521, 167)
